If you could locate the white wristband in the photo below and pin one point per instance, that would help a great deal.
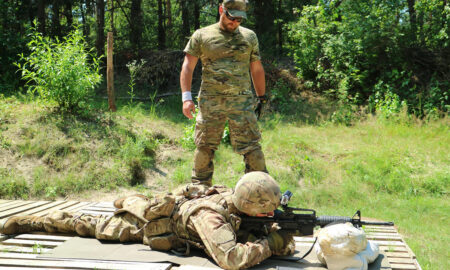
(186, 96)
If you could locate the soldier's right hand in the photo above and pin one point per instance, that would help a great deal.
(188, 108)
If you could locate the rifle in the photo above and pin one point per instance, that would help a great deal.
(299, 221)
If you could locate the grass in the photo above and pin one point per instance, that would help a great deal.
(390, 170)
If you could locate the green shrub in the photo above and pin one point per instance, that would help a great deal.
(387, 104)
(61, 71)
(12, 186)
(360, 46)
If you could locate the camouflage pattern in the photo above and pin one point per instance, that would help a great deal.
(237, 8)
(213, 221)
(225, 59)
(255, 193)
(225, 95)
(209, 221)
(244, 134)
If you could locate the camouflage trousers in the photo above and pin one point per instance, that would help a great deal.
(123, 228)
(213, 113)
(139, 220)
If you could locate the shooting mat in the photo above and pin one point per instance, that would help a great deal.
(93, 249)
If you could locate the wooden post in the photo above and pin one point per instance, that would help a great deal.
(110, 74)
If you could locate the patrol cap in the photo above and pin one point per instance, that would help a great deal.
(236, 8)
(256, 193)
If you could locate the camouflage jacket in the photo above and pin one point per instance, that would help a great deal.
(225, 59)
(206, 219)
(212, 220)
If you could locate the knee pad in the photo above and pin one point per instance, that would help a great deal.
(203, 157)
(83, 229)
(255, 161)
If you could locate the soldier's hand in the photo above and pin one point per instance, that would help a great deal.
(188, 108)
(262, 100)
(281, 243)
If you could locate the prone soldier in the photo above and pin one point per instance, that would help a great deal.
(197, 216)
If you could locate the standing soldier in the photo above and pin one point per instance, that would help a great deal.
(228, 52)
(206, 219)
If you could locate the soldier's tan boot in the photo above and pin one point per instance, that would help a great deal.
(22, 224)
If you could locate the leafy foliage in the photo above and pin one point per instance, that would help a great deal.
(359, 48)
(60, 71)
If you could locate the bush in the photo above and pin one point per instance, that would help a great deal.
(13, 185)
(358, 47)
(387, 104)
(61, 71)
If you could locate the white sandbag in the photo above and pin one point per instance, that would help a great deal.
(344, 247)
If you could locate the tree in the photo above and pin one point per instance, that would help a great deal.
(186, 27)
(196, 14)
(161, 31)
(41, 15)
(265, 28)
(100, 42)
(56, 23)
(136, 24)
(68, 14)
(412, 18)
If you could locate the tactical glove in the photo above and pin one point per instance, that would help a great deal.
(281, 243)
(262, 100)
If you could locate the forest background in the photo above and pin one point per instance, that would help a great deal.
(358, 114)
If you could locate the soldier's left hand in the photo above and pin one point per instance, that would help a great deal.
(262, 100)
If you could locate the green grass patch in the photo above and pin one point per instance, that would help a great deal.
(391, 170)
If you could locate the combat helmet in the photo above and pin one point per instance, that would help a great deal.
(255, 193)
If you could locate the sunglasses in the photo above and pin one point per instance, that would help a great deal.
(231, 18)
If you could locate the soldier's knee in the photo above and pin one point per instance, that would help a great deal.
(255, 161)
(85, 226)
(203, 157)
(84, 230)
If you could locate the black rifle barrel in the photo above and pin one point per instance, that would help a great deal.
(325, 220)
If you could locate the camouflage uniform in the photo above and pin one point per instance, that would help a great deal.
(173, 222)
(225, 94)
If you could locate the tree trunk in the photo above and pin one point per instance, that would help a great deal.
(68, 13)
(56, 23)
(88, 13)
(412, 18)
(161, 32)
(169, 14)
(265, 27)
(41, 16)
(83, 19)
(26, 11)
(280, 27)
(196, 15)
(100, 42)
(136, 24)
(186, 27)
(110, 73)
(111, 16)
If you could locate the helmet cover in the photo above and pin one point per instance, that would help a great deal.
(256, 193)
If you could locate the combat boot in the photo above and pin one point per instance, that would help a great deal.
(21, 224)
